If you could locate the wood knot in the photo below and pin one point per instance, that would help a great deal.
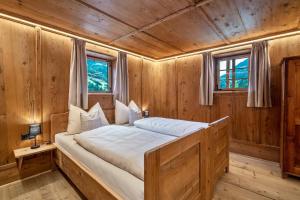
(53, 78)
(20, 3)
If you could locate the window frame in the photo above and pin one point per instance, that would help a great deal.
(110, 71)
(227, 58)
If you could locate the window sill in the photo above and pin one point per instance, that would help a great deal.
(230, 92)
(101, 94)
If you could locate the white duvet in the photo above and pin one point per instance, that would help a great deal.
(122, 146)
(173, 127)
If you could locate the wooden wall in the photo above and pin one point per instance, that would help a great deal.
(34, 77)
(171, 89)
(34, 82)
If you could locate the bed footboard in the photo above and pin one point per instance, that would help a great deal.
(218, 151)
(188, 168)
(177, 170)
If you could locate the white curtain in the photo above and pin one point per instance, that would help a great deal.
(259, 90)
(78, 89)
(120, 89)
(207, 80)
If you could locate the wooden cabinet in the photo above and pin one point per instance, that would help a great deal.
(290, 118)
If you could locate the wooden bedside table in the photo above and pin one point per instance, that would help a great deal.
(27, 151)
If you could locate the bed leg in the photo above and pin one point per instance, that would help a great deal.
(227, 165)
(226, 169)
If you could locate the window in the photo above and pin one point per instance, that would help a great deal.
(99, 74)
(232, 72)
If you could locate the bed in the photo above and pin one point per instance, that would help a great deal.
(184, 167)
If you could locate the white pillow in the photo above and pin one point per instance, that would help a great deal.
(121, 113)
(90, 121)
(135, 113)
(133, 106)
(74, 124)
(102, 115)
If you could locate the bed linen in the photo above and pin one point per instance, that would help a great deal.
(173, 127)
(123, 183)
(122, 146)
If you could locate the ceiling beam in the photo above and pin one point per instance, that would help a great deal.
(162, 41)
(213, 26)
(171, 16)
(125, 23)
(105, 13)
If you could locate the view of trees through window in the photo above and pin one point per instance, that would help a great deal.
(233, 73)
(98, 75)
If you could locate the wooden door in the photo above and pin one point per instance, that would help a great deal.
(292, 138)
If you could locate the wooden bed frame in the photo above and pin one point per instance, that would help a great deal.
(186, 168)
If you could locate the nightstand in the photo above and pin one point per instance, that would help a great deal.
(27, 151)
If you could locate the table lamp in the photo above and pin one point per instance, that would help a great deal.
(34, 130)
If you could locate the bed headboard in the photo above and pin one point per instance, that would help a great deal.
(58, 124)
(59, 121)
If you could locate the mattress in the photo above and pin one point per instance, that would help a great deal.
(121, 182)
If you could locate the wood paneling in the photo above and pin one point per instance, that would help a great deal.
(4, 140)
(147, 45)
(56, 56)
(225, 11)
(69, 15)
(188, 90)
(148, 92)
(168, 88)
(267, 16)
(19, 75)
(162, 28)
(186, 32)
(254, 131)
(103, 50)
(135, 67)
(159, 88)
(139, 13)
(34, 82)
(105, 100)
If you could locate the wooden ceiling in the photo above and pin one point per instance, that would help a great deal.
(162, 28)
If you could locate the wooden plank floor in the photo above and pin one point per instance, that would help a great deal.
(48, 186)
(248, 179)
(255, 179)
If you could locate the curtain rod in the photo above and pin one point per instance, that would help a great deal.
(240, 44)
(70, 35)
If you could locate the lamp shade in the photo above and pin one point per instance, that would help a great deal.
(146, 113)
(34, 129)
